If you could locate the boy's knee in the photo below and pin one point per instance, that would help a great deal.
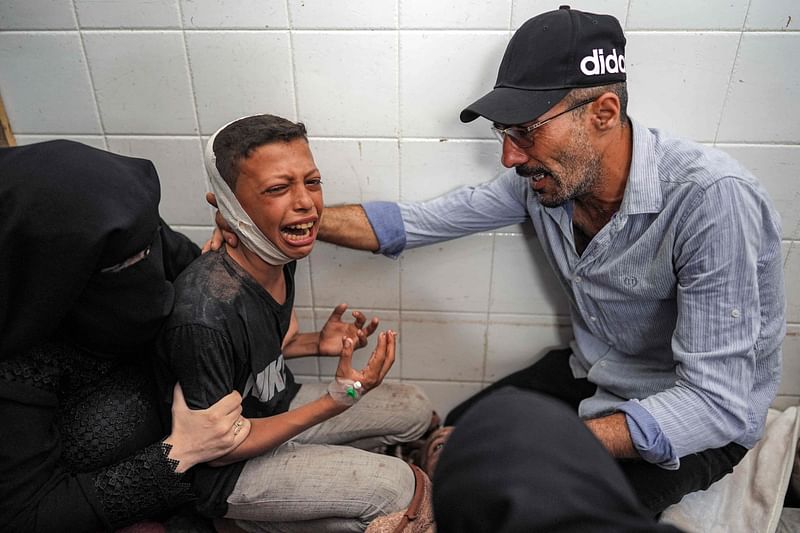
(393, 488)
(415, 408)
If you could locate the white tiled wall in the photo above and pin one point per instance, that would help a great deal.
(380, 84)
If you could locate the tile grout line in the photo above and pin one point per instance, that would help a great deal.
(193, 88)
(488, 309)
(292, 61)
(399, 144)
(398, 137)
(91, 76)
(729, 88)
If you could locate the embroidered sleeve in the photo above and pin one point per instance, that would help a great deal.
(141, 486)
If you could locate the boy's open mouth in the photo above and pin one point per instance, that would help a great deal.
(297, 232)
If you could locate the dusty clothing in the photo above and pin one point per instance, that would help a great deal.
(225, 333)
(322, 481)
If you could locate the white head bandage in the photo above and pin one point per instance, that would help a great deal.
(234, 213)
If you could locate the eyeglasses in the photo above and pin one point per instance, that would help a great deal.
(521, 136)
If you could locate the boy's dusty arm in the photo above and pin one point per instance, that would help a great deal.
(267, 433)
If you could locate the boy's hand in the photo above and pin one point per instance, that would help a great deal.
(330, 337)
(377, 367)
(222, 233)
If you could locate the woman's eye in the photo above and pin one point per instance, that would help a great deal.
(276, 189)
(314, 182)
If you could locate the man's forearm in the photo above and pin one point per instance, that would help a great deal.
(348, 225)
(613, 433)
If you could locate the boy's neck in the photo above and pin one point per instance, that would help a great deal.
(270, 277)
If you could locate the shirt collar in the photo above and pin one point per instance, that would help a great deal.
(643, 189)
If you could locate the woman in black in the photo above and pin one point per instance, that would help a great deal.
(85, 282)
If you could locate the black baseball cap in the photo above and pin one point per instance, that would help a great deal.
(548, 56)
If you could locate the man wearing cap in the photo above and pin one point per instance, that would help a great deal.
(669, 253)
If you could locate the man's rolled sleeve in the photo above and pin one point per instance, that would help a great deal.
(648, 439)
(387, 223)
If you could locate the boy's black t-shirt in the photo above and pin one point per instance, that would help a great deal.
(225, 333)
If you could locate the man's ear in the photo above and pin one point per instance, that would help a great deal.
(606, 111)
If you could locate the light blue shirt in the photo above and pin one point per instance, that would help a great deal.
(677, 304)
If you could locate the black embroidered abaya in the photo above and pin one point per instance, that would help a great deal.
(86, 267)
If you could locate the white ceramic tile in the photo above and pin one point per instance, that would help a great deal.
(522, 279)
(516, 229)
(441, 73)
(388, 320)
(240, 73)
(360, 279)
(449, 276)
(791, 277)
(357, 170)
(45, 84)
(686, 15)
(444, 396)
(128, 14)
(431, 168)
(446, 346)
(218, 14)
(461, 14)
(790, 377)
(525, 9)
(299, 378)
(678, 81)
(302, 284)
(179, 163)
(37, 15)
(783, 402)
(776, 167)
(516, 342)
(347, 82)
(142, 82)
(765, 88)
(96, 141)
(306, 366)
(197, 234)
(367, 14)
(773, 15)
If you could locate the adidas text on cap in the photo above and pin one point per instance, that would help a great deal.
(548, 56)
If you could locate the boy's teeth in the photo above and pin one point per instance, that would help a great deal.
(296, 232)
(307, 225)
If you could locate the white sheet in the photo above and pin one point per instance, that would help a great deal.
(750, 499)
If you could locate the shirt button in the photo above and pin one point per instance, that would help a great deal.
(603, 364)
(578, 279)
(736, 313)
(593, 318)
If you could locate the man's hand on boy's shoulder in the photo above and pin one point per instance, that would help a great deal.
(330, 337)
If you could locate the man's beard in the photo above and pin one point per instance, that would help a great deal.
(578, 160)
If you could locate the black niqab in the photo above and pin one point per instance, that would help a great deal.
(67, 212)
